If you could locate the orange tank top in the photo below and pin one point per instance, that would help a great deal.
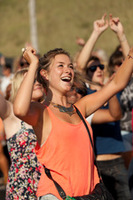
(68, 154)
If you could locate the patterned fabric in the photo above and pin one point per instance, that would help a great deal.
(126, 101)
(25, 170)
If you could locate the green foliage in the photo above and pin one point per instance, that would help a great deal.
(59, 22)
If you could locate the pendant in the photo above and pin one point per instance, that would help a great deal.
(70, 110)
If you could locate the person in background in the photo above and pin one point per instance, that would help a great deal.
(4, 164)
(79, 90)
(130, 170)
(25, 170)
(126, 101)
(107, 136)
(20, 63)
(6, 78)
(2, 63)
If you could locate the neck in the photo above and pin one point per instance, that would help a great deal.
(57, 99)
(68, 110)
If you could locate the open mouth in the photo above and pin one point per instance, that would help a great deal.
(66, 79)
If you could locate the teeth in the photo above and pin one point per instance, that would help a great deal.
(66, 78)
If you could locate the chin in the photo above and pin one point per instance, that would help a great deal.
(67, 89)
(37, 98)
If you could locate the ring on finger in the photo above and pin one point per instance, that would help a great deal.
(23, 50)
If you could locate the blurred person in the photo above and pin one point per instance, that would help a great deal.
(2, 59)
(8, 92)
(115, 61)
(6, 78)
(24, 172)
(130, 176)
(4, 164)
(20, 63)
(125, 96)
(108, 143)
(2, 63)
(107, 136)
(56, 120)
(79, 90)
(126, 101)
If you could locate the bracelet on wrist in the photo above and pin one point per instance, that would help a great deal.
(129, 56)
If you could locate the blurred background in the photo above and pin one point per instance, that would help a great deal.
(58, 23)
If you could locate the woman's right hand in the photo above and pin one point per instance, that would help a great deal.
(30, 55)
(100, 25)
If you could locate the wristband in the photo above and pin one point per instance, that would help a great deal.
(129, 56)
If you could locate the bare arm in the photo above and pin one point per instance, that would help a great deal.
(98, 28)
(23, 108)
(115, 108)
(118, 28)
(91, 103)
(4, 107)
(108, 115)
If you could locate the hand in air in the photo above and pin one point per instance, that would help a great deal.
(101, 25)
(115, 24)
(29, 53)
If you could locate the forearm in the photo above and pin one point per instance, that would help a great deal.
(4, 107)
(86, 51)
(124, 43)
(24, 94)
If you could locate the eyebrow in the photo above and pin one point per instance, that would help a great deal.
(64, 63)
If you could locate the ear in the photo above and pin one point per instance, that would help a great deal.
(44, 74)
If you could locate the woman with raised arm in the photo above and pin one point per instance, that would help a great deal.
(99, 27)
(25, 170)
(63, 143)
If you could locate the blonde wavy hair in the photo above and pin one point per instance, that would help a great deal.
(16, 82)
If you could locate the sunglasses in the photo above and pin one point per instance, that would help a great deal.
(78, 90)
(94, 67)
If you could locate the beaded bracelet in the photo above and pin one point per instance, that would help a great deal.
(129, 56)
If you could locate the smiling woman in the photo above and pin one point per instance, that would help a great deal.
(59, 134)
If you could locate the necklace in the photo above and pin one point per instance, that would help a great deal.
(70, 110)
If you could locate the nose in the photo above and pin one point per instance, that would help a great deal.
(99, 69)
(67, 69)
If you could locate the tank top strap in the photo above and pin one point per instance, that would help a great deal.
(23, 125)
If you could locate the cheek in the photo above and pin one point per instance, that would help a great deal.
(94, 76)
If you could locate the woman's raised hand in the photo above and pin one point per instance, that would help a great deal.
(101, 25)
(29, 54)
(116, 25)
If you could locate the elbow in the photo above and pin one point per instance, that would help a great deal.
(18, 112)
(118, 116)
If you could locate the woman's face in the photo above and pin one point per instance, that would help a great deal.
(38, 91)
(60, 75)
(96, 71)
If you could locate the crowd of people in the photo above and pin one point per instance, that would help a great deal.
(39, 123)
